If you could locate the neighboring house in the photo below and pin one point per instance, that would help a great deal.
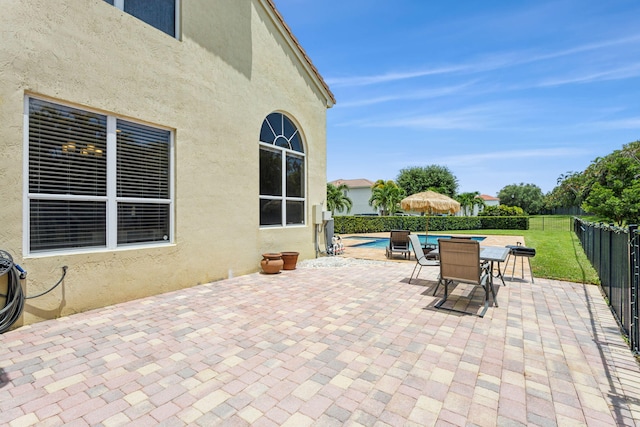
(152, 146)
(359, 192)
(488, 201)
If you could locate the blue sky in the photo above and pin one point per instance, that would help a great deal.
(499, 92)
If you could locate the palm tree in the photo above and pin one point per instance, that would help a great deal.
(386, 196)
(337, 199)
(468, 201)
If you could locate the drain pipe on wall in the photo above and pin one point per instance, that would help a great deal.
(15, 297)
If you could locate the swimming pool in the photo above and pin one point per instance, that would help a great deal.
(383, 242)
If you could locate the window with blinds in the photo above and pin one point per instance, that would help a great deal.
(282, 172)
(77, 197)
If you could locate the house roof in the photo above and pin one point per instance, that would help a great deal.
(293, 41)
(486, 197)
(353, 183)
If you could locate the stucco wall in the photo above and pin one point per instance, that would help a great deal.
(360, 201)
(214, 87)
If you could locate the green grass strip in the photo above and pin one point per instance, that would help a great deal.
(559, 255)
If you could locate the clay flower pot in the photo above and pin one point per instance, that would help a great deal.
(290, 260)
(271, 263)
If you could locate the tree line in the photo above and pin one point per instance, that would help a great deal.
(609, 189)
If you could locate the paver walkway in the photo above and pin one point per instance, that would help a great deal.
(356, 345)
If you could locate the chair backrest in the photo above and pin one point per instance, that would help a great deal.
(417, 246)
(399, 238)
(460, 260)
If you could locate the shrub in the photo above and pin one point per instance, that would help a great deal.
(505, 222)
(376, 224)
(502, 210)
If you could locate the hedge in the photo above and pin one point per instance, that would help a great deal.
(376, 224)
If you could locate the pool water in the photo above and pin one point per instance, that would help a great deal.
(383, 242)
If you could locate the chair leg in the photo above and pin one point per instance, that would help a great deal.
(493, 293)
(486, 302)
(446, 292)
(437, 286)
(530, 270)
(414, 270)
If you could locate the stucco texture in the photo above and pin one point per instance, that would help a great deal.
(230, 68)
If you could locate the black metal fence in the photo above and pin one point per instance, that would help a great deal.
(614, 252)
(572, 210)
(543, 222)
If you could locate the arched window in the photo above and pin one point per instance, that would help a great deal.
(282, 172)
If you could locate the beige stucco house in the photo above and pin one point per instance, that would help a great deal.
(152, 147)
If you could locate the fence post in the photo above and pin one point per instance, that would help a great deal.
(610, 258)
(634, 279)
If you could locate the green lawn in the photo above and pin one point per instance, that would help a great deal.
(559, 255)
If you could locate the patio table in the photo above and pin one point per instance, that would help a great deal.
(492, 254)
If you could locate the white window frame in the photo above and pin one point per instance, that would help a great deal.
(119, 4)
(284, 198)
(111, 198)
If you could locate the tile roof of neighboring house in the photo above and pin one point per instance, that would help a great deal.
(487, 197)
(312, 67)
(353, 183)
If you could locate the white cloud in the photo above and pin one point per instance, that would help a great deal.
(500, 61)
(630, 123)
(501, 156)
(406, 96)
(611, 74)
(480, 117)
(389, 77)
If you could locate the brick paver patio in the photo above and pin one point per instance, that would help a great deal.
(355, 345)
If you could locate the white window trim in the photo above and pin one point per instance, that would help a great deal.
(284, 198)
(112, 209)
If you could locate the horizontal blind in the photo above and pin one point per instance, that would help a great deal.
(143, 161)
(142, 222)
(68, 178)
(67, 150)
(59, 224)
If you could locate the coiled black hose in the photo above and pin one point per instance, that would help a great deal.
(15, 297)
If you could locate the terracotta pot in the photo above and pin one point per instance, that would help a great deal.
(271, 263)
(290, 260)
